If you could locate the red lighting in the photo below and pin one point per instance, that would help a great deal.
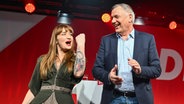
(172, 25)
(106, 17)
(30, 8)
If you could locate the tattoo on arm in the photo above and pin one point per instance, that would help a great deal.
(79, 62)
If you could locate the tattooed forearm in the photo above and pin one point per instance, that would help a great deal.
(79, 62)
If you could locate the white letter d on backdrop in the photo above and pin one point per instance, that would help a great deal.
(178, 64)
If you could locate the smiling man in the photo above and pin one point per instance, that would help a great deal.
(126, 61)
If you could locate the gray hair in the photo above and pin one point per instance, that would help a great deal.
(127, 8)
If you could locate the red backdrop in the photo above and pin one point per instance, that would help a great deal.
(17, 61)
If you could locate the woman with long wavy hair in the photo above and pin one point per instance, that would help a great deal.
(57, 72)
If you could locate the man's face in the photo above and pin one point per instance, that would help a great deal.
(120, 19)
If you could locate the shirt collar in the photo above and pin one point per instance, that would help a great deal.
(132, 34)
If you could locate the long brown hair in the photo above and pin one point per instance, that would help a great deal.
(49, 58)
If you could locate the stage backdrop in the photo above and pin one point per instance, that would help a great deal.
(25, 37)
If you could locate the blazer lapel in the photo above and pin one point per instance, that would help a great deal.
(114, 43)
(137, 45)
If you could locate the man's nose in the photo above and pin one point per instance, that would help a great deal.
(113, 20)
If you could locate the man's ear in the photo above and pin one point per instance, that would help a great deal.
(130, 18)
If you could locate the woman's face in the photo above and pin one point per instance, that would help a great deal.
(65, 40)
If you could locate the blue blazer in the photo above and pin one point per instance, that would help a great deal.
(145, 52)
